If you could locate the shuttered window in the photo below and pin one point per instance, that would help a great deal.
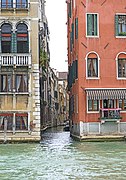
(92, 25)
(76, 28)
(120, 25)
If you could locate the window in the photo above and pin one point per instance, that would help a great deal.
(6, 121)
(92, 25)
(92, 67)
(76, 28)
(120, 21)
(93, 105)
(21, 121)
(6, 38)
(21, 4)
(122, 104)
(6, 83)
(21, 83)
(6, 4)
(22, 38)
(122, 67)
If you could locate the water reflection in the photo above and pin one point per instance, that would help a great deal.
(58, 157)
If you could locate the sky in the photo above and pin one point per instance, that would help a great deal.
(57, 17)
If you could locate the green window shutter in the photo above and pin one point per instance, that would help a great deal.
(70, 9)
(76, 69)
(71, 41)
(89, 24)
(0, 43)
(14, 43)
(72, 33)
(116, 25)
(76, 28)
(95, 25)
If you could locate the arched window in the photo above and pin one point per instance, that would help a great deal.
(6, 38)
(22, 38)
(6, 4)
(21, 4)
(121, 61)
(92, 65)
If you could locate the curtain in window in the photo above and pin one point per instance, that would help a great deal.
(4, 83)
(25, 82)
(92, 66)
(18, 83)
(1, 122)
(25, 122)
(9, 83)
(121, 67)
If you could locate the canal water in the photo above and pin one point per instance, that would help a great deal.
(58, 157)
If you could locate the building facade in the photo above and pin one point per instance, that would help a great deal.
(63, 98)
(19, 70)
(97, 67)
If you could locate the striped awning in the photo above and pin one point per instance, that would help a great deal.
(98, 94)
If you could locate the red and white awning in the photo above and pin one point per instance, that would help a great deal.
(98, 94)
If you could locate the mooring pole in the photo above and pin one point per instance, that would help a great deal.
(5, 130)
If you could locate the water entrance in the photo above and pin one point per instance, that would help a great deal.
(58, 157)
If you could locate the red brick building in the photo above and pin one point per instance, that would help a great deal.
(97, 66)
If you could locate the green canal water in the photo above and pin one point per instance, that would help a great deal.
(58, 157)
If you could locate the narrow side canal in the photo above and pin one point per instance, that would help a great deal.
(58, 157)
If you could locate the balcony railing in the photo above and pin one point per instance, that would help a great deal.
(111, 114)
(15, 59)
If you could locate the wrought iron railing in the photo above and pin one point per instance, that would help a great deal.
(109, 114)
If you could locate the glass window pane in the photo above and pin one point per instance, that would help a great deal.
(89, 105)
(7, 3)
(21, 122)
(96, 105)
(124, 104)
(21, 3)
(92, 67)
(120, 103)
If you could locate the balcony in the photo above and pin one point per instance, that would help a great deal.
(15, 60)
(111, 114)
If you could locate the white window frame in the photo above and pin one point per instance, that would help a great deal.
(93, 52)
(88, 36)
(92, 112)
(117, 15)
(119, 78)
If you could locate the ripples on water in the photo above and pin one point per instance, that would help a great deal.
(58, 157)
